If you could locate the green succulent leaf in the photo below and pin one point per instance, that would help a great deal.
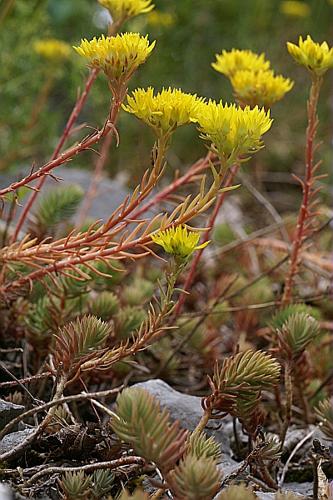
(104, 306)
(325, 414)
(56, 206)
(129, 319)
(80, 339)
(141, 423)
(102, 482)
(75, 485)
(237, 385)
(199, 445)
(284, 314)
(195, 478)
(109, 273)
(138, 494)
(138, 292)
(297, 333)
(270, 448)
(237, 492)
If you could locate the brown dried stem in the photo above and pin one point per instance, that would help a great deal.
(112, 464)
(58, 402)
(18, 449)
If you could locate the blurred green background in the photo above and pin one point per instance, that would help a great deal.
(189, 33)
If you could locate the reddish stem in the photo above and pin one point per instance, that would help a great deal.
(98, 252)
(70, 122)
(307, 188)
(195, 262)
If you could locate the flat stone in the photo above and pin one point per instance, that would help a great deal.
(5, 492)
(8, 411)
(110, 192)
(13, 439)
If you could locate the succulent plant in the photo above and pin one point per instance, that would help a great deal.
(237, 492)
(195, 478)
(237, 385)
(75, 485)
(138, 292)
(297, 332)
(55, 207)
(201, 446)
(79, 341)
(325, 414)
(140, 422)
(104, 306)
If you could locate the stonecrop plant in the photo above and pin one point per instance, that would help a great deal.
(96, 310)
(253, 81)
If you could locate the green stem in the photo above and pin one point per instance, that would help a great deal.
(202, 423)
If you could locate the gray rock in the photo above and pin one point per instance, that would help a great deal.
(110, 193)
(5, 492)
(305, 489)
(302, 490)
(271, 496)
(13, 439)
(8, 411)
(295, 436)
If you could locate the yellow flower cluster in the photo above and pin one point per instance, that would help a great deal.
(121, 10)
(229, 62)
(165, 111)
(233, 131)
(318, 58)
(261, 88)
(118, 56)
(178, 241)
(52, 49)
(253, 81)
(295, 8)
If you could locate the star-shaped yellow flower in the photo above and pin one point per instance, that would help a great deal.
(178, 241)
(318, 58)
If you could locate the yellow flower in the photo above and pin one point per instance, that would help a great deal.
(165, 111)
(260, 88)
(178, 241)
(318, 58)
(121, 10)
(233, 131)
(118, 56)
(157, 18)
(228, 63)
(295, 8)
(52, 49)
